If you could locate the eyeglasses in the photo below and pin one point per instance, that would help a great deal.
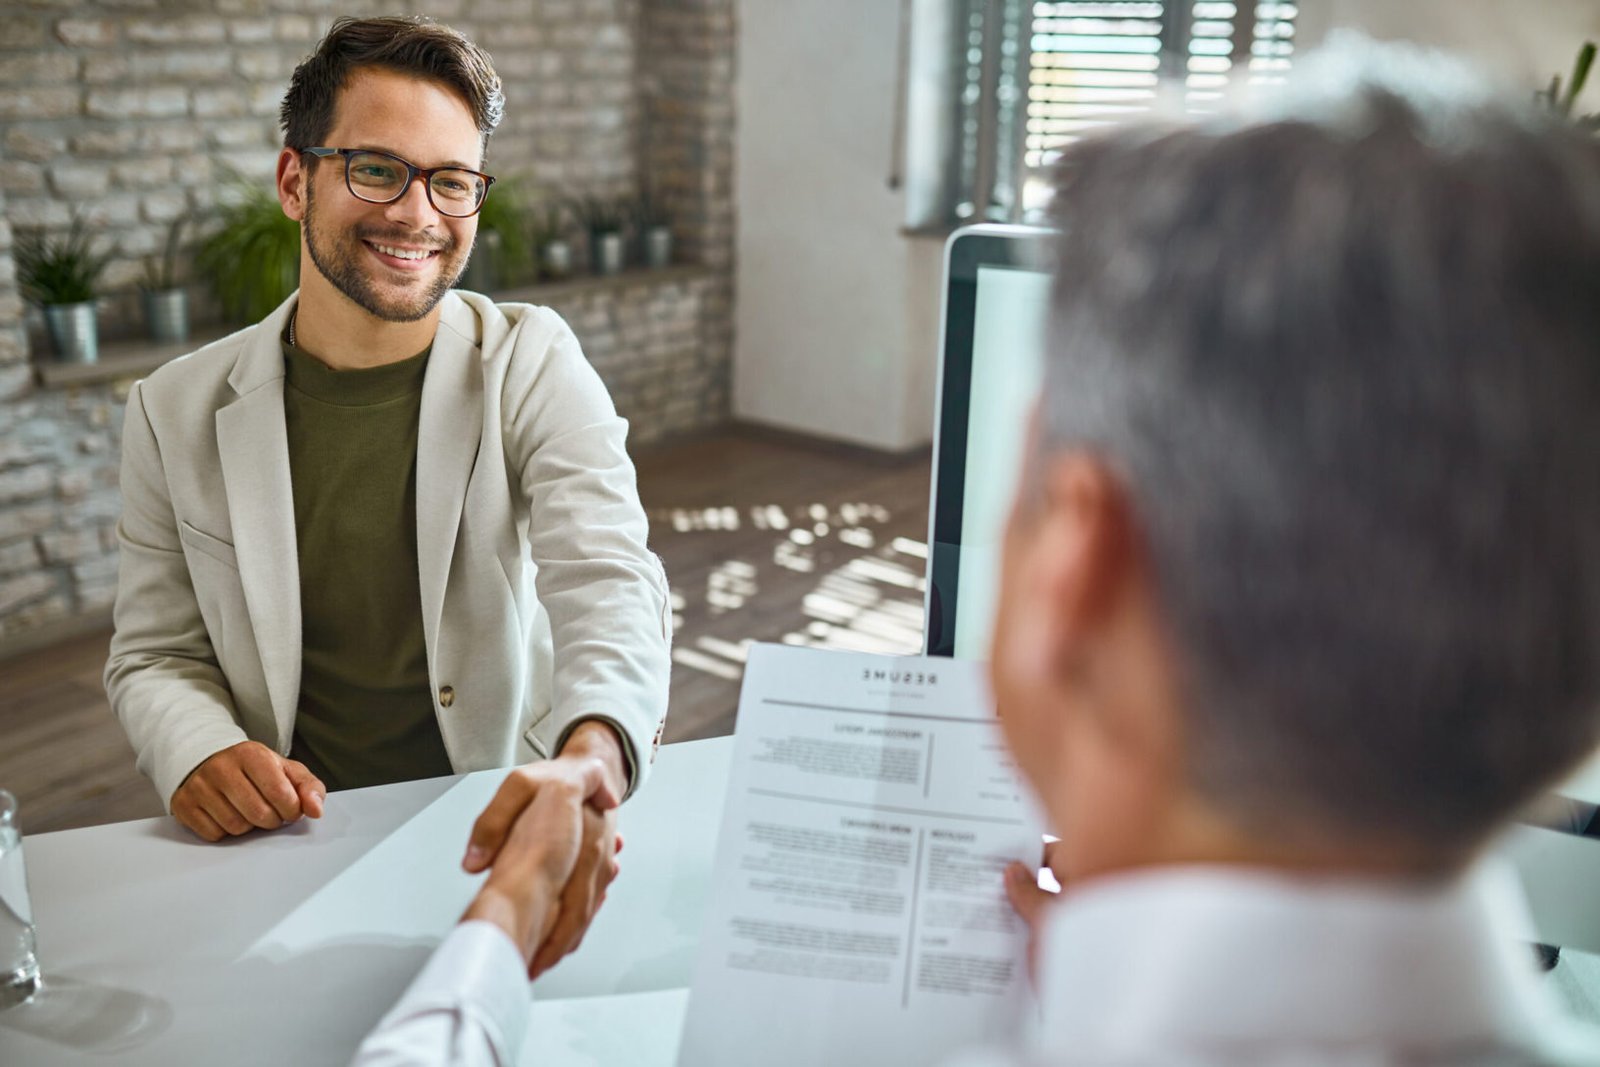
(379, 178)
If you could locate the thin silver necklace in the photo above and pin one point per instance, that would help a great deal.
(293, 315)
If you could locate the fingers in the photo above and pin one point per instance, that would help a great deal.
(214, 805)
(307, 786)
(521, 788)
(266, 788)
(581, 898)
(195, 819)
(1022, 889)
(245, 787)
(490, 830)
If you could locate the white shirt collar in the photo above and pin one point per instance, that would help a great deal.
(1210, 958)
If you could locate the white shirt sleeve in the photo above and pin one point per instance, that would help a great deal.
(468, 1007)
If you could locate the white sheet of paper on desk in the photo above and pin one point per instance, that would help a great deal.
(857, 914)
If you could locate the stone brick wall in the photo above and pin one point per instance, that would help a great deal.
(647, 341)
(688, 122)
(128, 110)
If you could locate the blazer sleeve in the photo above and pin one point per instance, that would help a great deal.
(604, 590)
(162, 675)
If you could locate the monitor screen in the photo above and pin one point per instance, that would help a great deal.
(1008, 329)
(996, 298)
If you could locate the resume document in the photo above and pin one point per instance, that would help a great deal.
(857, 914)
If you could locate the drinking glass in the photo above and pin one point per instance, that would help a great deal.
(19, 967)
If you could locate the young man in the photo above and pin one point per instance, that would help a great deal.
(1300, 596)
(390, 532)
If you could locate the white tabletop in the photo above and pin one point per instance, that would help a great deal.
(287, 947)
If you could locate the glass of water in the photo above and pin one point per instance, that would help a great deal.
(19, 967)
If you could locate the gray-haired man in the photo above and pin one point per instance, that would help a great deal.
(1301, 593)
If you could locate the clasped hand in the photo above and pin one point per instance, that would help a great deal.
(549, 842)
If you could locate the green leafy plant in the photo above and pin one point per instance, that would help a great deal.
(253, 261)
(58, 270)
(505, 213)
(1561, 99)
(600, 215)
(161, 273)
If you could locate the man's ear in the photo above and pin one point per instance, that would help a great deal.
(1083, 547)
(292, 184)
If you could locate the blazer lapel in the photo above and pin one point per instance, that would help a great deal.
(253, 443)
(449, 429)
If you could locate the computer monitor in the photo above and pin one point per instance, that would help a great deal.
(996, 292)
(996, 300)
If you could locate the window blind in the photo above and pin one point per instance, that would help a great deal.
(1034, 75)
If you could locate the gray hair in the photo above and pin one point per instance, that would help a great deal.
(1347, 362)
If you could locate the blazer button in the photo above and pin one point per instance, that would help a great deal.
(447, 696)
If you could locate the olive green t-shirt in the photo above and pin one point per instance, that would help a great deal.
(366, 706)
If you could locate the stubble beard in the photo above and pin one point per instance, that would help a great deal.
(340, 260)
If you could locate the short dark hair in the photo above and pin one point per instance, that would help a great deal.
(1347, 363)
(407, 44)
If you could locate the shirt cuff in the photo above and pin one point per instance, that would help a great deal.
(478, 976)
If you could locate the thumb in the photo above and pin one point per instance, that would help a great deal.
(308, 785)
(1027, 899)
(597, 790)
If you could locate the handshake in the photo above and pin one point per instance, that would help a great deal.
(548, 837)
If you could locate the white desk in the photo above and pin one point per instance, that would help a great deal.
(286, 947)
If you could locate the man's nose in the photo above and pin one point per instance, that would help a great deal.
(412, 208)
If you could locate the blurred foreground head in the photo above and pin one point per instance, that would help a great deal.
(1340, 366)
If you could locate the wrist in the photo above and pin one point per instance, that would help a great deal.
(597, 739)
(523, 917)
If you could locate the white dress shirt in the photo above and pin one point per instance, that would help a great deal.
(1181, 966)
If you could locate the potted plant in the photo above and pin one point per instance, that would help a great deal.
(1562, 102)
(253, 260)
(166, 303)
(605, 220)
(550, 242)
(59, 274)
(655, 227)
(501, 256)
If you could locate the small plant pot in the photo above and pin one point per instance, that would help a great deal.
(658, 247)
(74, 330)
(482, 275)
(605, 253)
(555, 259)
(166, 314)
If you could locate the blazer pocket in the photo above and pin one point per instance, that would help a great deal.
(202, 542)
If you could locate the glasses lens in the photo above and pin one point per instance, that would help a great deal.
(457, 192)
(374, 176)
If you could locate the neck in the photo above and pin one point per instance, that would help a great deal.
(329, 326)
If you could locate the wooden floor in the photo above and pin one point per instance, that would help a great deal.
(763, 539)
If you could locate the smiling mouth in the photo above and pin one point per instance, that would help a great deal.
(404, 255)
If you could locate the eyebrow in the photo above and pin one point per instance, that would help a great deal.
(400, 155)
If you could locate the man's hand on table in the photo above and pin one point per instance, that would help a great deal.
(593, 747)
(246, 787)
(535, 861)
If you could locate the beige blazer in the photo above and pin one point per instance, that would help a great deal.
(541, 604)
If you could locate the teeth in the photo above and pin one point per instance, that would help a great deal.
(403, 253)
